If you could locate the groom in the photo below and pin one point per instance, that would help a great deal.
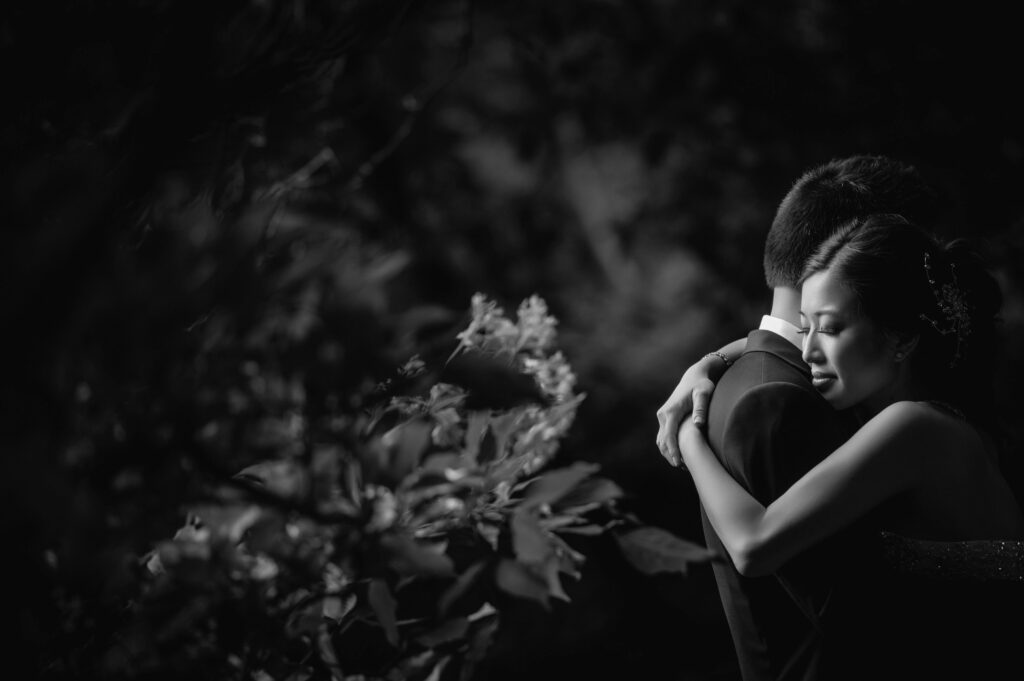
(768, 426)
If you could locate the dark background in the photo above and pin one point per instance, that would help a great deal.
(622, 159)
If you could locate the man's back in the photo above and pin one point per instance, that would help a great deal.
(768, 426)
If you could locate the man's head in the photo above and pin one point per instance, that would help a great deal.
(828, 196)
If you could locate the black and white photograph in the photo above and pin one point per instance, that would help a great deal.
(512, 340)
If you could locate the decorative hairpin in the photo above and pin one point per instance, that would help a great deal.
(952, 303)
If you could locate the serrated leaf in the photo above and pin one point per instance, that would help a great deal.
(652, 550)
(384, 607)
(514, 578)
(553, 485)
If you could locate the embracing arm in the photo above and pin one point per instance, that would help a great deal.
(693, 394)
(879, 461)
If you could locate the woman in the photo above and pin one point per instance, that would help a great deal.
(901, 330)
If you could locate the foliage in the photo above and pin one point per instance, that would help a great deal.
(369, 543)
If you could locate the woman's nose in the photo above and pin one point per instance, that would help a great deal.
(811, 351)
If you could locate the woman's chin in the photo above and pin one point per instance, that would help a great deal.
(836, 398)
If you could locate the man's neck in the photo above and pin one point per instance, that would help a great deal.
(786, 304)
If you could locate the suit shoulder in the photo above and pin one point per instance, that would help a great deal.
(779, 401)
(766, 367)
(779, 391)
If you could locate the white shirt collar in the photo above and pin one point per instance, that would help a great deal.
(782, 328)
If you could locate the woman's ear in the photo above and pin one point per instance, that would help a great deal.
(904, 345)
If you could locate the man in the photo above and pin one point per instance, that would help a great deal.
(786, 626)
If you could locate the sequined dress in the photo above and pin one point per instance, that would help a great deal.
(946, 610)
(953, 561)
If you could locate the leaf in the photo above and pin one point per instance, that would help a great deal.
(476, 428)
(408, 557)
(652, 550)
(230, 521)
(490, 532)
(514, 578)
(481, 636)
(435, 675)
(460, 587)
(529, 540)
(384, 606)
(551, 569)
(325, 646)
(552, 486)
(285, 478)
(406, 443)
(338, 607)
(500, 430)
(268, 534)
(584, 530)
(592, 491)
(450, 630)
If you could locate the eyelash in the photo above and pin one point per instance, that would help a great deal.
(827, 330)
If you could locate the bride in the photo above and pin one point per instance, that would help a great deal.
(899, 329)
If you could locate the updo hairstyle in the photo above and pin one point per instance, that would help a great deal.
(914, 285)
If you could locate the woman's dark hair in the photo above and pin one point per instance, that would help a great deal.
(913, 285)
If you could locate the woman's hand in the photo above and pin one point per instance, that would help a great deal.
(692, 395)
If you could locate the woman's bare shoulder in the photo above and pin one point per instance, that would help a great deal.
(912, 428)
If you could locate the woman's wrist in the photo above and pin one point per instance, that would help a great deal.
(714, 364)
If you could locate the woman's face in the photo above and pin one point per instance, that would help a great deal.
(852, 359)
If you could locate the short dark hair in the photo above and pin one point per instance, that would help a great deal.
(912, 284)
(826, 197)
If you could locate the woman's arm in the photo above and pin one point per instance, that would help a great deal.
(882, 459)
(693, 394)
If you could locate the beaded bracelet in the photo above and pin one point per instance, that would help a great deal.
(720, 355)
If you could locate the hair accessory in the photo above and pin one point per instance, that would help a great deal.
(720, 355)
(952, 303)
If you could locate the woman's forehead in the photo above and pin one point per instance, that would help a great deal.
(824, 292)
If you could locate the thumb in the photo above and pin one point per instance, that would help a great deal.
(701, 399)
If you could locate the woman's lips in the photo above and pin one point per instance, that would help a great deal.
(821, 380)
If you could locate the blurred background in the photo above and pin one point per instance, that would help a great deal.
(168, 166)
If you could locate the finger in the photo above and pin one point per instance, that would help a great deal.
(665, 449)
(701, 399)
(671, 452)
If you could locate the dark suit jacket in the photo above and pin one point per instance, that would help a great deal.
(768, 426)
